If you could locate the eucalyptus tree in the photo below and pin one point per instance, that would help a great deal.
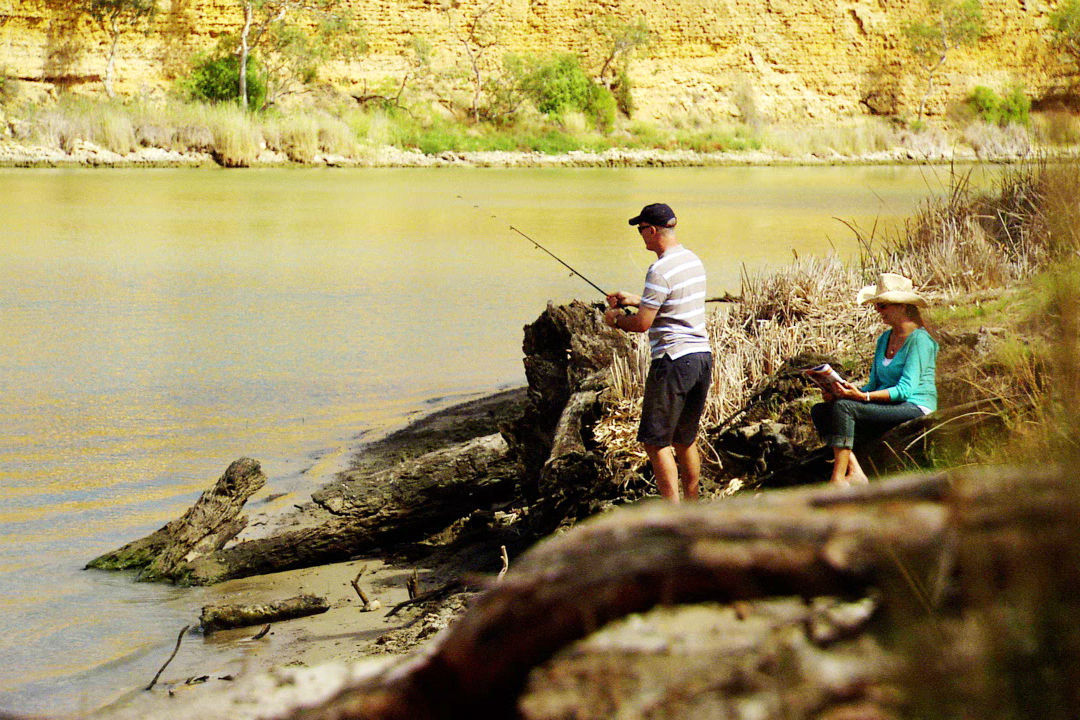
(117, 17)
(290, 52)
(945, 26)
(1065, 21)
(478, 34)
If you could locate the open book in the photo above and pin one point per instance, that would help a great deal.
(823, 376)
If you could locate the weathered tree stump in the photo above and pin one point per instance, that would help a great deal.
(211, 522)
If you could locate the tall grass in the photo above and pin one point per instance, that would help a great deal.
(347, 130)
(856, 139)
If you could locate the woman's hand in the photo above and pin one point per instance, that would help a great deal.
(846, 391)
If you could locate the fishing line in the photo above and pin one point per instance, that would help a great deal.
(538, 246)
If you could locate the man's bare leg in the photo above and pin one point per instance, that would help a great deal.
(689, 463)
(665, 470)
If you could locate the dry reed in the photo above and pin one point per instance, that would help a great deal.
(957, 246)
(808, 307)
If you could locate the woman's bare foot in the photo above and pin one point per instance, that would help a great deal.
(855, 478)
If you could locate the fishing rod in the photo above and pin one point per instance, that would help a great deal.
(558, 259)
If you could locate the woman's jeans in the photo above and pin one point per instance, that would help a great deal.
(837, 422)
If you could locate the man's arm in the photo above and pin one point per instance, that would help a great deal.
(638, 322)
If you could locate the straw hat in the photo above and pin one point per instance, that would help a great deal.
(891, 288)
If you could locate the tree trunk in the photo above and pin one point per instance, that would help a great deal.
(419, 497)
(211, 522)
(110, 66)
(244, 52)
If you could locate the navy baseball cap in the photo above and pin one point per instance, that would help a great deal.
(657, 214)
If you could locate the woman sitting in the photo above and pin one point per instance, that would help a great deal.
(901, 385)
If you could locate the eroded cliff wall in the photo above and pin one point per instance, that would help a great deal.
(781, 60)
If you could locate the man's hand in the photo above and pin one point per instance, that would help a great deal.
(623, 299)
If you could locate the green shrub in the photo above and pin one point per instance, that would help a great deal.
(1014, 108)
(559, 85)
(217, 79)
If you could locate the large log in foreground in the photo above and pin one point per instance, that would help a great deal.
(906, 538)
(795, 543)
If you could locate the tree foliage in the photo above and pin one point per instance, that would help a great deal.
(478, 35)
(293, 57)
(216, 79)
(1065, 21)
(117, 17)
(945, 26)
(290, 54)
(558, 84)
(1012, 108)
(621, 39)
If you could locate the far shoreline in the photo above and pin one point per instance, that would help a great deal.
(89, 156)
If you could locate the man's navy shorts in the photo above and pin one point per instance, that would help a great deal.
(675, 393)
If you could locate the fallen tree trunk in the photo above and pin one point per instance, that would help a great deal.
(211, 522)
(804, 543)
(223, 617)
(418, 497)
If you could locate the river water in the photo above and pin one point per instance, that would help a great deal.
(158, 324)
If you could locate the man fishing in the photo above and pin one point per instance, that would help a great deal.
(672, 310)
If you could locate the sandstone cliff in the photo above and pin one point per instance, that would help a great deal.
(781, 60)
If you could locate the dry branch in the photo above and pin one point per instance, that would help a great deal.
(176, 649)
(369, 605)
(211, 522)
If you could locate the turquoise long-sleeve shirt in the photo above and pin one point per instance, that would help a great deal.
(909, 376)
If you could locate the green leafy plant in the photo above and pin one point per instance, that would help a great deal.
(216, 79)
(559, 85)
(1013, 108)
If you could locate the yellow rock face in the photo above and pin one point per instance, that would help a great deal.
(710, 60)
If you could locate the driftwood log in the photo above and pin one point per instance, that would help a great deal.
(920, 537)
(371, 510)
(211, 522)
(223, 617)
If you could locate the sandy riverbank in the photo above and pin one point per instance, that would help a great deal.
(228, 674)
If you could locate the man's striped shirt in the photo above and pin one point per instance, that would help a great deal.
(675, 285)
